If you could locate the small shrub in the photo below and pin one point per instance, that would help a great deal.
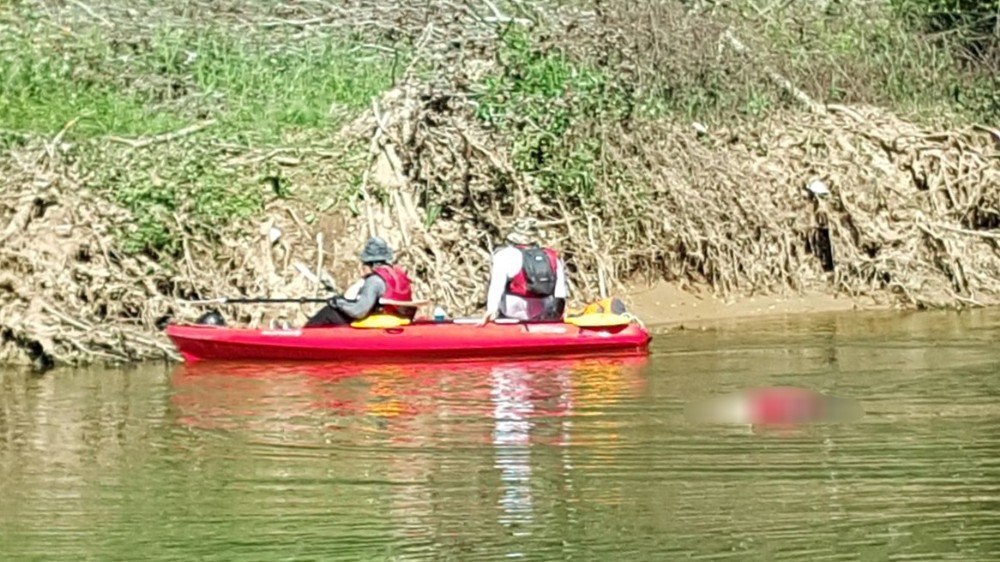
(548, 105)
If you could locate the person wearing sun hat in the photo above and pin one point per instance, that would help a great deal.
(527, 282)
(380, 279)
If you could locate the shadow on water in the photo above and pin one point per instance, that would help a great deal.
(540, 459)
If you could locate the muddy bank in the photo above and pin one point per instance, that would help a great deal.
(808, 203)
(70, 292)
(671, 305)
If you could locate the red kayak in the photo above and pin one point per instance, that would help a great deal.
(419, 340)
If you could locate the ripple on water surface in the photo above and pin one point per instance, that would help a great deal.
(582, 458)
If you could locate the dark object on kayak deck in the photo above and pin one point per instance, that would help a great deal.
(211, 318)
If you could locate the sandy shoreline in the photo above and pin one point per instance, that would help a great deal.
(670, 305)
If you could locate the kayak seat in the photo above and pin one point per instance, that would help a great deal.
(380, 321)
(599, 319)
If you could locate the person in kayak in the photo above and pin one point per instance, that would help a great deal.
(527, 282)
(380, 279)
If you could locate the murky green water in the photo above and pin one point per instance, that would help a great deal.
(553, 460)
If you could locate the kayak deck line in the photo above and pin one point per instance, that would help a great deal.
(418, 340)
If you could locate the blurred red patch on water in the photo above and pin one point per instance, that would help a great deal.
(774, 406)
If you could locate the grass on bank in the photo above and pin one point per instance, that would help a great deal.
(261, 92)
(556, 99)
(877, 54)
(541, 98)
(552, 101)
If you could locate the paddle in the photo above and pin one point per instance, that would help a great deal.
(257, 300)
(263, 300)
(319, 279)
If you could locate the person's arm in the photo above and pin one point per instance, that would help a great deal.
(352, 292)
(560, 291)
(499, 275)
(371, 291)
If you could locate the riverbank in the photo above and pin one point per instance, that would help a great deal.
(179, 152)
(671, 305)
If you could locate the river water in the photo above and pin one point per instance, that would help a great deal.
(572, 459)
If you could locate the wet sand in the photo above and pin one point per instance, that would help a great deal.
(669, 304)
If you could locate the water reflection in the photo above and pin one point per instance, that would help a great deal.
(274, 397)
(545, 460)
(417, 406)
(511, 396)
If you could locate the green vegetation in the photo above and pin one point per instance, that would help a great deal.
(554, 95)
(882, 54)
(970, 30)
(258, 91)
(173, 191)
(859, 57)
(546, 101)
(261, 90)
(837, 52)
(972, 22)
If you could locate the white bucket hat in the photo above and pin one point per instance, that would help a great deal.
(524, 231)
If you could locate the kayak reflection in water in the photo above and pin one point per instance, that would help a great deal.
(512, 408)
(380, 280)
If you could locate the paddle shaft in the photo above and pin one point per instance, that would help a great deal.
(257, 300)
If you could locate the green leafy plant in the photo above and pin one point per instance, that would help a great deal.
(548, 104)
(262, 89)
(186, 195)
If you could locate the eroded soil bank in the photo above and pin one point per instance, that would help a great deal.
(813, 206)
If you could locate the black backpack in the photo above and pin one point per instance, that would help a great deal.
(539, 277)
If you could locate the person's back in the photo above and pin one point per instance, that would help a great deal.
(527, 282)
(397, 287)
(536, 277)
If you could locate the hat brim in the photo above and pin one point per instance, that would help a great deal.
(519, 238)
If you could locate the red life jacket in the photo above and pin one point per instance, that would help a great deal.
(518, 285)
(397, 287)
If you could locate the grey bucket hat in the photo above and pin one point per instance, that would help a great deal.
(376, 250)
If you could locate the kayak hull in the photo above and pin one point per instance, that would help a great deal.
(420, 340)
